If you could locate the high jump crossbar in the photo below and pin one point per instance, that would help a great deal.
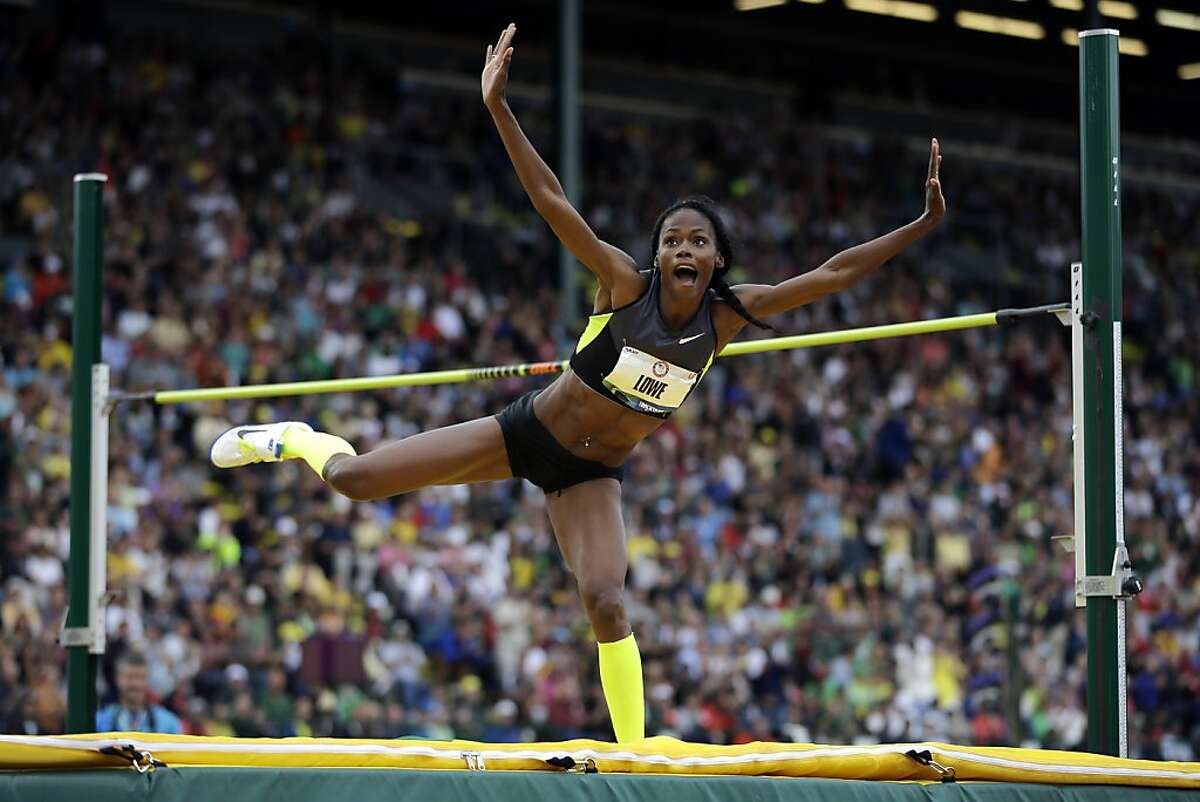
(354, 385)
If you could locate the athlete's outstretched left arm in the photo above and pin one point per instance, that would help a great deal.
(853, 264)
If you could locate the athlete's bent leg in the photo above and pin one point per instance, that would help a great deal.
(465, 452)
(591, 533)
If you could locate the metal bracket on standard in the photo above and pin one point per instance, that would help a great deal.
(90, 637)
(1122, 583)
(76, 636)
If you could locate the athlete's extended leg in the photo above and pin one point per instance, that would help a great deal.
(591, 533)
(465, 452)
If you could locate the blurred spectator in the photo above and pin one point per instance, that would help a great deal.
(134, 711)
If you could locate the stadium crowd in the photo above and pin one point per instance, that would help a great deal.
(836, 545)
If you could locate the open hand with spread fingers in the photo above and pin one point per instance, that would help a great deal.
(935, 204)
(496, 61)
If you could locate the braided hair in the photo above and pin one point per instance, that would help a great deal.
(707, 207)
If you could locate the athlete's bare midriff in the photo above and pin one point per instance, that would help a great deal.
(589, 425)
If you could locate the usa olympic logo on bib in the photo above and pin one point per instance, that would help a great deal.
(660, 369)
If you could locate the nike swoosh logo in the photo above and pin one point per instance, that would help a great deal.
(243, 432)
(689, 339)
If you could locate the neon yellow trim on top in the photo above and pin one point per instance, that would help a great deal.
(596, 324)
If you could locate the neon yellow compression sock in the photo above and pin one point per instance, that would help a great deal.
(621, 678)
(315, 448)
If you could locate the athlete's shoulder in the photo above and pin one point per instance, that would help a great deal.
(629, 292)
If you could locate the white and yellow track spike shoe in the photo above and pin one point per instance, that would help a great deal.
(243, 445)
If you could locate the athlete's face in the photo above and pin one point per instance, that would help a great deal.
(687, 251)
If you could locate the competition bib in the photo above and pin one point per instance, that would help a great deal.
(638, 375)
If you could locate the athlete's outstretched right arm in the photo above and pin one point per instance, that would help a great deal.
(610, 264)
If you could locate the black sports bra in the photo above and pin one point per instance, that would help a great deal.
(630, 356)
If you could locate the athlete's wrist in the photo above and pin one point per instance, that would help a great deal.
(925, 223)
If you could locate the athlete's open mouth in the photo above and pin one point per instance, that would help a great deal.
(686, 274)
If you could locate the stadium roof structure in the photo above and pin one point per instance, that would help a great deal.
(1016, 54)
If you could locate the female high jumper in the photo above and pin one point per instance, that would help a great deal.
(651, 338)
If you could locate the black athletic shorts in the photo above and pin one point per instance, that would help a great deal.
(534, 454)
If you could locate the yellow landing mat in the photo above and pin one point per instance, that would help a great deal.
(651, 756)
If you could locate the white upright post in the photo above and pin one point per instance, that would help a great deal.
(98, 545)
